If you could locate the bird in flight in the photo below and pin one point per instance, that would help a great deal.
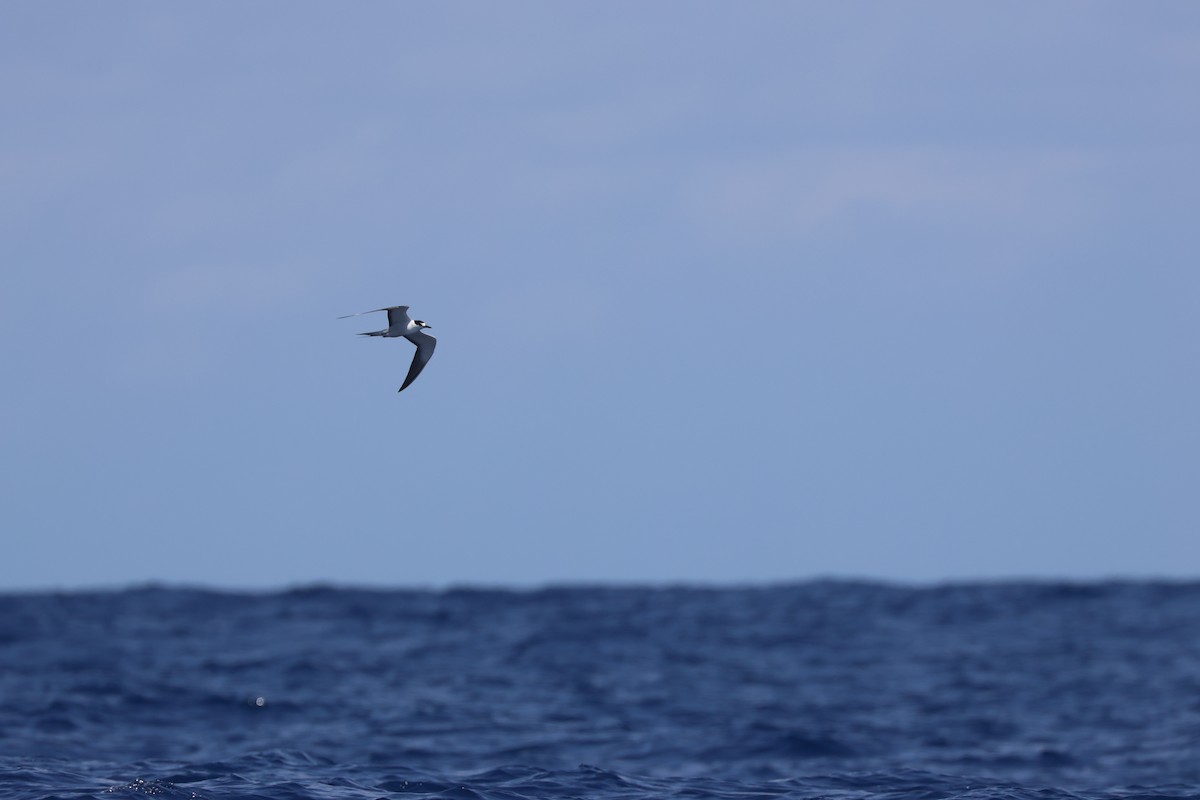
(400, 324)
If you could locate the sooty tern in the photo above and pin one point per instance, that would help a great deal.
(400, 324)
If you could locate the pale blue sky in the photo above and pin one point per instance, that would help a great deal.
(723, 291)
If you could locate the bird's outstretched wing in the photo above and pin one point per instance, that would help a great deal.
(397, 317)
(389, 309)
(425, 344)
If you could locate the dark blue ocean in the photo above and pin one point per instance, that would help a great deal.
(813, 690)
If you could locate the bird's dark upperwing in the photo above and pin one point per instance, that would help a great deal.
(373, 310)
(425, 344)
(397, 316)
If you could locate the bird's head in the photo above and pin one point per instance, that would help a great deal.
(421, 324)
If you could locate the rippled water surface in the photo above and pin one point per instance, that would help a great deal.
(819, 690)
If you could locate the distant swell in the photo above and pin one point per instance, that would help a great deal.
(817, 690)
